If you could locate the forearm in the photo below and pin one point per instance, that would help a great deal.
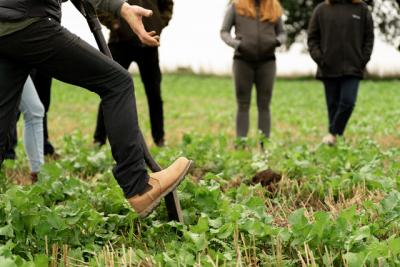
(314, 39)
(280, 32)
(229, 40)
(368, 39)
(229, 21)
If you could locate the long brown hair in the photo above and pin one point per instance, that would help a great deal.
(270, 10)
(352, 1)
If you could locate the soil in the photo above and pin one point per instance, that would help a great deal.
(268, 179)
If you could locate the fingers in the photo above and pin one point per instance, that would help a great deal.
(149, 39)
(143, 12)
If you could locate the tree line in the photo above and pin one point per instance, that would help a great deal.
(386, 18)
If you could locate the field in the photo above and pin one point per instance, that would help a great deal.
(335, 206)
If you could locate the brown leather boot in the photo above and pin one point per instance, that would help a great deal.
(161, 183)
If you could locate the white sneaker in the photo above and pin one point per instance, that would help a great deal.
(329, 140)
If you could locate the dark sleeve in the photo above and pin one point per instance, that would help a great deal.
(229, 21)
(111, 6)
(280, 32)
(314, 37)
(107, 19)
(368, 42)
(166, 8)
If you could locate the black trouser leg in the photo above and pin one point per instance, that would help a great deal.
(150, 73)
(148, 61)
(100, 135)
(12, 139)
(265, 78)
(42, 83)
(50, 48)
(244, 77)
(12, 78)
(332, 97)
(348, 97)
(342, 95)
(121, 55)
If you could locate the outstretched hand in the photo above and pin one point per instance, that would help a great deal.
(133, 16)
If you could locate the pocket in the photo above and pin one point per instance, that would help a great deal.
(268, 45)
(248, 49)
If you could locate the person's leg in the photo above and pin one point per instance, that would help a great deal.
(348, 97)
(12, 79)
(244, 76)
(42, 82)
(33, 112)
(12, 141)
(265, 78)
(49, 47)
(120, 53)
(150, 73)
(332, 96)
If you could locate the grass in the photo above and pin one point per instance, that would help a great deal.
(206, 105)
(333, 207)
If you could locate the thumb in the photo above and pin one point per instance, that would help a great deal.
(144, 12)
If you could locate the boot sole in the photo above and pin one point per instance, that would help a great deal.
(146, 212)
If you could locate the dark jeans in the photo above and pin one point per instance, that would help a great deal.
(341, 95)
(147, 59)
(50, 48)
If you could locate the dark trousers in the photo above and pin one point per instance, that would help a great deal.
(42, 83)
(341, 95)
(43, 87)
(262, 75)
(148, 62)
(50, 48)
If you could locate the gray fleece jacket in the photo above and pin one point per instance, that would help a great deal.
(255, 40)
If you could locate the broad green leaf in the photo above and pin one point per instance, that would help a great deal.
(7, 231)
(355, 259)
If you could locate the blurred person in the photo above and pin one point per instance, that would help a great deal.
(258, 31)
(126, 48)
(340, 41)
(31, 37)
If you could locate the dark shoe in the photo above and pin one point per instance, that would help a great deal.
(161, 184)
(10, 154)
(50, 152)
(48, 149)
(160, 143)
(34, 177)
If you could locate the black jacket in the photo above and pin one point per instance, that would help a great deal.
(341, 38)
(15, 10)
(120, 30)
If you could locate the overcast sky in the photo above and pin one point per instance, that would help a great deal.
(192, 41)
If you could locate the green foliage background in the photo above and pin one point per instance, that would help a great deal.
(334, 207)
